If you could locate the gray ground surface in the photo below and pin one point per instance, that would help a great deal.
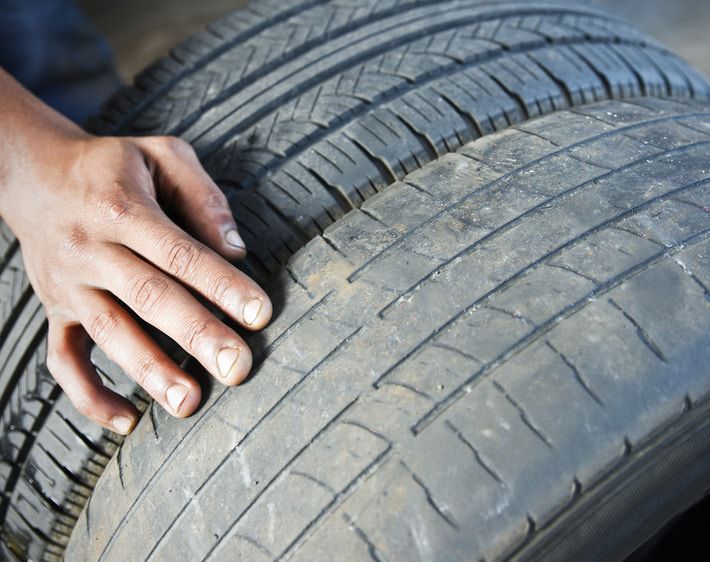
(142, 30)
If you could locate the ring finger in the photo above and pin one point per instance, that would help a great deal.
(114, 330)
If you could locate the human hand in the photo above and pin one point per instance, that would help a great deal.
(96, 242)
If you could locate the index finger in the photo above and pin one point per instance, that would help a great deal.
(157, 239)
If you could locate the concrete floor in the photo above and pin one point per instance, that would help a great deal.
(142, 30)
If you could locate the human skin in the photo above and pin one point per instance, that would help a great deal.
(89, 213)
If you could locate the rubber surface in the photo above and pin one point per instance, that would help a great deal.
(503, 357)
(302, 111)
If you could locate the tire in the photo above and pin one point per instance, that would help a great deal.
(302, 111)
(529, 382)
(303, 114)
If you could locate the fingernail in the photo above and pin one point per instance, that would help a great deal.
(233, 239)
(251, 311)
(176, 395)
(226, 361)
(122, 424)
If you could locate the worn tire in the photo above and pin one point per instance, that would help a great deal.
(302, 110)
(504, 357)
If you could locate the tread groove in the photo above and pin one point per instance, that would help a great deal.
(525, 418)
(440, 509)
(530, 212)
(477, 455)
(317, 436)
(337, 68)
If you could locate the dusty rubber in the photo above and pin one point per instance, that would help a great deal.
(503, 357)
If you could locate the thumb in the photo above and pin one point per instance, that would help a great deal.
(189, 194)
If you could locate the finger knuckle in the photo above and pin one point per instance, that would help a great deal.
(147, 292)
(183, 258)
(76, 242)
(177, 146)
(103, 325)
(85, 403)
(216, 201)
(117, 210)
(54, 362)
(221, 287)
(145, 371)
(118, 206)
(195, 332)
(58, 349)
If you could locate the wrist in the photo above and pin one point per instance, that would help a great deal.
(35, 138)
(39, 175)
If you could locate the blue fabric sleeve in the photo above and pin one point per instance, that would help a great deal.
(51, 48)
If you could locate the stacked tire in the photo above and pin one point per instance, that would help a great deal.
(485, 229)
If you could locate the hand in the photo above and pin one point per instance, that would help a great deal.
(96, 242)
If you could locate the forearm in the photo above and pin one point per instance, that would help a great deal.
(31, 132)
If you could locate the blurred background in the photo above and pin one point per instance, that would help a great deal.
(143, 30)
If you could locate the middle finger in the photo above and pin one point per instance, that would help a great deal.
(195, 265)
(168, 306)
